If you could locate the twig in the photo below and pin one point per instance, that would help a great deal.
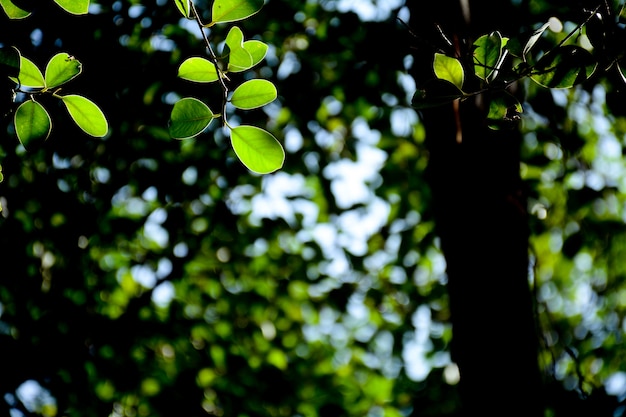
(220, 76)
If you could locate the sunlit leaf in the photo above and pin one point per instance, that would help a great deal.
(189, 118)
(86, 114)
(449, 69)
(60, 69)
(435, 93)
(238, 58)
(533, 40)
(183, 7)
(253, 94)
(487, 55)
(257, 50)
(564, 67)
(12, 10)
(74, 6)
(32, 123)
(9, 61)
(257, 149)
(504, 111)
(233, 10)
(198, 70)
(30, 75)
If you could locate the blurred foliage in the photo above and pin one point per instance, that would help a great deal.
(153, 277)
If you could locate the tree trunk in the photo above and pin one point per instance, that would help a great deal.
(481, 219)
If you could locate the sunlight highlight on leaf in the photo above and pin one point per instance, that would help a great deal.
(32, 123)
(189, 118)
(30, 75)
(257, 149)
(233, 10)
(74, 6)
(253, 94)
(86, 114)
(449, 69)
(60, 69)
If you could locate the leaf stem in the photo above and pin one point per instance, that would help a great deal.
(214, 60)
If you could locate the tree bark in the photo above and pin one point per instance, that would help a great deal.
(481, 219)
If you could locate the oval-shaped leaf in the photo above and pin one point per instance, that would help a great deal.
(257, 50)
(30, 75)
(253, 94)
(199, 70)
(449, 69)
(9, 61)
(32, 123)
(487, 53)
(238, 58)
(60, 69)
(13, 11)
(435, 93)
(564, 67)
(86, 114)
(189, 118)
(74, 6)
(183, 7)
(257, 149)
(232, 10)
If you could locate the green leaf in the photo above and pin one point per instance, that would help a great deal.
(253, 94)
(449, 69)
(86, 114)
(232, 10)
(30, 75)
(199, 70)
(533, 40)
(435, 93)
(74, 6)
(60, 69)
(13, 11)
(32, 123)
(183, 7)
(257, 149)
(9, 61)
(257, 50)
(564, 67)
(238, 58)
(487, 55)
(504, 111)
(189, 118)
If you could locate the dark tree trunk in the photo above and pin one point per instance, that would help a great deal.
(481, 218)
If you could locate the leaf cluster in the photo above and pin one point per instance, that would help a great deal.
(19, 10)
(256, 148)
(497, 62)
(31, 120)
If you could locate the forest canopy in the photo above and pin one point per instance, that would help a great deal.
(234, 207)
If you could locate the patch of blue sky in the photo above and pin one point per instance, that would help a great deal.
(367, 10)
(34, 396)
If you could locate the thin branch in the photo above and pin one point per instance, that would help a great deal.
(220, 75)
(578, 27)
